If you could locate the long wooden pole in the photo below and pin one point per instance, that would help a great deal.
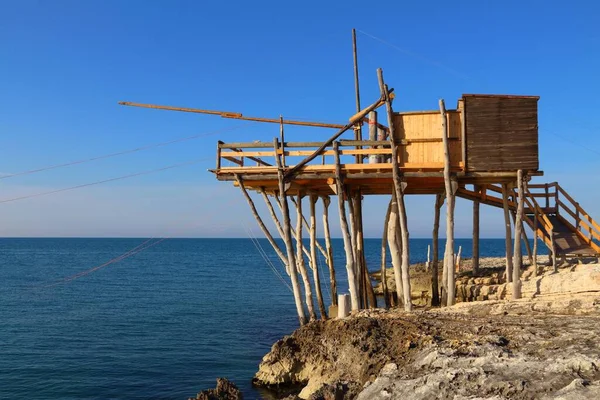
(345, 231)
(435, 291)
(306, 224)
(356, 264)
(369, 293)
(287, 238)
(399, 191)
(450, 199)
(395, 250)
(313, 256)
(535, 243)
(507, 233)
(523, 232)
(516, 286)
(308, 295)
(261, 224)
(358, 127)
(384, 238)
(228, 114)
(332, 281)
(476, 235)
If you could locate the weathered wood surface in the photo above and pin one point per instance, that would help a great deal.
(346, 234)
(516, 284)
(287, 238)
(475, 256)
(313, 256)
(507, 233)
(326, 232)
(501, 133)
(435, 291)
(308, 295)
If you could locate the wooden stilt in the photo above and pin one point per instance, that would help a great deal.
(356, 263)
(384, 238)
(399, 191)
(308, 295)
(307, 225)
(261, 224)
(287, 238)
(332, 281)
(508, 238)
(523, 233)
(516, 286)
(450, 199)
(392, 238)
(435, 291)
(457, 269)
(535, 243)
(368, 292)
(345, 231)
(476, 235)
(313, 256)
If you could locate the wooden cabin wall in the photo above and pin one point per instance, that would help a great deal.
(427, 125)
(501, 132)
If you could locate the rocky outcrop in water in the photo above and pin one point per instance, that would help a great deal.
(225, 390)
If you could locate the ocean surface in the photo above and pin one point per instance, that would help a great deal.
(161, 324)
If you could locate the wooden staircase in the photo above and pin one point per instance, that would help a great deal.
(561, 223)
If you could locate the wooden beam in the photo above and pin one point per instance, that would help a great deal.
(358, 127)
(507, 229)
(476, 235)
(516, 284)
(399, 192)
(290, 173)
(300, 260)
(450, 201)
(384, 239)
(346, 234)
(395, 248)
(287, 238)
(332, 281)
(435, 291)
(313, 256)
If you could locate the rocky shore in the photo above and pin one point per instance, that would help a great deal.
(543, 346)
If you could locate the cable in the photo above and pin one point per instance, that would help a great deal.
(120, 153)
(416, 55)
(105, 180)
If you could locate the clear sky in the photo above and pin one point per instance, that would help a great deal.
(65, 64)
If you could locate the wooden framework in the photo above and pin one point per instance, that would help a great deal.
(485, 150)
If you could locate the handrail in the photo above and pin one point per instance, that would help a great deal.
(541, 215)
(586, 222)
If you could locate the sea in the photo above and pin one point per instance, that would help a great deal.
(94, 319)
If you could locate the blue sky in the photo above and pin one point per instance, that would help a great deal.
(65, 64)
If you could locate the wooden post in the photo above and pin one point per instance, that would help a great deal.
(358, 128)
(516, 284)
(476, 235)
(399, 191)
(535, 243)
(261, 224)
(300, 260)
(374, 158)
(287, 238)
(282, 135)
(428, 263)
(450, 199)
(368, 292)
(313, 256)
(392, 238)
(306, 224)
(435, 291)
(276, 222)
(507, 231)
(356, 263)
(345, 231)
(344, 305)
(554, 261)
(332, 281)
(523, 232)
(457, 267)
(384, 238)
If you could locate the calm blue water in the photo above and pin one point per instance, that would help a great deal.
(162, 324)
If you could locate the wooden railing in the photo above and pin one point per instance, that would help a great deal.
(256, 156)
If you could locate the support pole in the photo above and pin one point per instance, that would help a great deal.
(384, 238)
(358, 127)
(450, 199)
(507, 232)
(261, 224)
(308, 295)
(345, 231)
(435, 291)
(313, 256)
(476, 234)
(392, 238)
(357, 264)
(516, 284)
(399, 191)
(287, 238)
(535, 243)
(368, 293)
(332, 281)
